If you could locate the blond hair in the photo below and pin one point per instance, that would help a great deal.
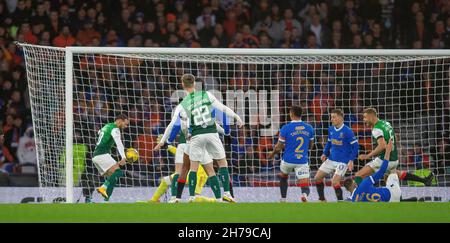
(188, 80)
(371, 110)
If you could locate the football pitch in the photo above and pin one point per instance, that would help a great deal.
(227, 213)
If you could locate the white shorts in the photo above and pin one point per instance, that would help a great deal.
(103, 162)
(301, 170)
(376, 163)
(201, 144)
(183, 148)
(330, 165)
(393, 185)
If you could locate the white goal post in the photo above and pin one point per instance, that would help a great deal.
(87, 86)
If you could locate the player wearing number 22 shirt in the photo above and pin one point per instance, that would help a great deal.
(195, 112)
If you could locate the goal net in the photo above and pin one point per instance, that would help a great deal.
(77, 90)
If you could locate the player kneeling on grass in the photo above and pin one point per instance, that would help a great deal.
(367, 192)
(296, 137)
(105, 163)
(340, 151)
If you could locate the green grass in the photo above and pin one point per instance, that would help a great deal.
(215, 212)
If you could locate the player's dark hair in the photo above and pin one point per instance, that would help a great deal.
(338, 112)
(296, 110)
(122, 116)
(348, 183)
(371, 110)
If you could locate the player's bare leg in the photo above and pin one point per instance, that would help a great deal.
(336, 183)
(182, 179)
(225, 179)
(363, 173)
(320, 185)
(304, 185)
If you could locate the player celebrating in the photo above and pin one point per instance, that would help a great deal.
(296, 138)
(367, 192)
(382, 131)
(340, 151)
(106, 165)
(196, 111)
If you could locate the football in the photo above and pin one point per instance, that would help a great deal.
(132, 155)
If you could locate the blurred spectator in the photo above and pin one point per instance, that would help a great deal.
(419, 158)
(11, 144)
(85, 36)
(65, 38)
(26, 150)
(145, 143)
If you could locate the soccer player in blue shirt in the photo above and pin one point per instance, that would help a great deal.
(367, 192)
(296, 139)
(340, 151)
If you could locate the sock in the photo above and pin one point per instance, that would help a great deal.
(162, 188)
(320, 190)
(180, 187)
(283, 186)
(111, 182)
(412, 177)
(338, 191)
(231, 188)
(225, 178)
(202, 177)
(358, 180)
(173, 187)
(305, 188)
(215, 187)
(192, 177)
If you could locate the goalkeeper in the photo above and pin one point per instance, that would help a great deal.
(105, 163)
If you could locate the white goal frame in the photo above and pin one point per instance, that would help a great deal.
(70, 51)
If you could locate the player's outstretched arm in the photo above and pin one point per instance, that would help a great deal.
(276, 150)
(219, 106)
(380, 147)
(380, 173)
(168, 130)
(115, 133)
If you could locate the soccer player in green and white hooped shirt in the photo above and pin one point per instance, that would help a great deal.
(382, 131)
(105, 163)
(196, 113)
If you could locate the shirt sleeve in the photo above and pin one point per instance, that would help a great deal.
(115, 133)
(282, 137)
(353, 143)
(221, 107)
(377, 133)
(175, 117)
